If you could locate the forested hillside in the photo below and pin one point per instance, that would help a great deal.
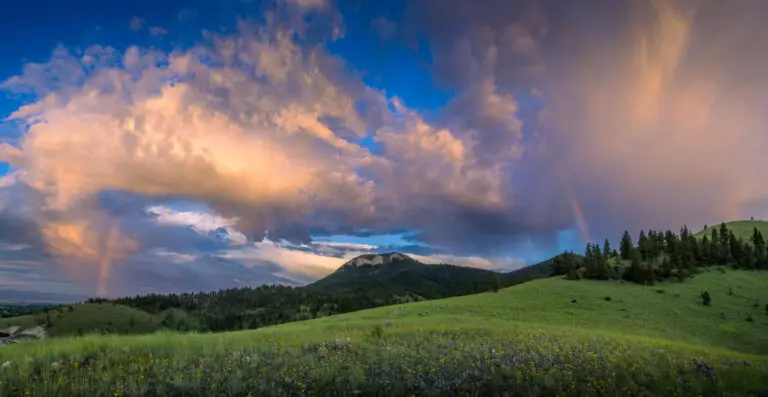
(658, 256)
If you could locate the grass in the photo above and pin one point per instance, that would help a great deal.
(23, 322)
(86, 318)
(525, 340)
(743, 229)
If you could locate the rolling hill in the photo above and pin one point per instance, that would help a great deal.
(546, 337)
(741, 229)
(365, 282)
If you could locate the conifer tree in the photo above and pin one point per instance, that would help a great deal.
(607, 251)
(626, 246)
(642, 245)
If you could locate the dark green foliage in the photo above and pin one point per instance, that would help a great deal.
(14, 310)
(706, 299)
(495, 283)
(607, 251)
(661, 256)
(766, 308)
(750, 319)
(607, 298)
(377, 332)
(730, 290)
(626, 246)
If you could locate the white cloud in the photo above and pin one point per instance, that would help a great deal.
(157, 31)
(472, 261)
(202, 222)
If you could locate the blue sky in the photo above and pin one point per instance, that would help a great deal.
(483, 135)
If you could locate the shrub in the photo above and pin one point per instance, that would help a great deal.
(377, 332)
(766, 308)
(608, 298)
(659, 291)
(705, 298)
(750, 319)
(495, 284)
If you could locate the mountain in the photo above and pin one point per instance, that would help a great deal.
(398, 274)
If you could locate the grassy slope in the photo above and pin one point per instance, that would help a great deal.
(523, 329)
(27, 321)
(677, 314)
(89, 318)
(741, 229)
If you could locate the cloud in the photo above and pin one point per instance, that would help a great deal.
(637, 99)
(310, 4)
(157, 31)
(497, 264)
(137, 23)
(626, 115)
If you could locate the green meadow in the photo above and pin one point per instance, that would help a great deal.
(545, 337)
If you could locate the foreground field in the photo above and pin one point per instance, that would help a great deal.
(515, 361)
(523, 341)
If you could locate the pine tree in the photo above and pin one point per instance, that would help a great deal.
(716, 250)
(607, 251)
(760, 249)
(626, 246)
(705, 251)
(642, 245)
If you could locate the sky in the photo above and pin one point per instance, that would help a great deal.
(168, 146)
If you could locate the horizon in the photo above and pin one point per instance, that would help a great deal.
(176, 146)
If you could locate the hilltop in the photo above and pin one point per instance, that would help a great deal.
(400, 274)
(741, 229)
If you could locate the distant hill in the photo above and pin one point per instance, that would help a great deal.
(92, 317)
(398, 273)
(365, 282)
(741, 229)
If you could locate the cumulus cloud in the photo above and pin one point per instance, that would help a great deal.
(638, 114)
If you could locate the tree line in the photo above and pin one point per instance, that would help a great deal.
(658, 256)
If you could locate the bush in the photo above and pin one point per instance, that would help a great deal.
(659, 291)
(377, 332)
(495, 284)
(608, 298)
(750, 319)
(705, 298)
(766, 308)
